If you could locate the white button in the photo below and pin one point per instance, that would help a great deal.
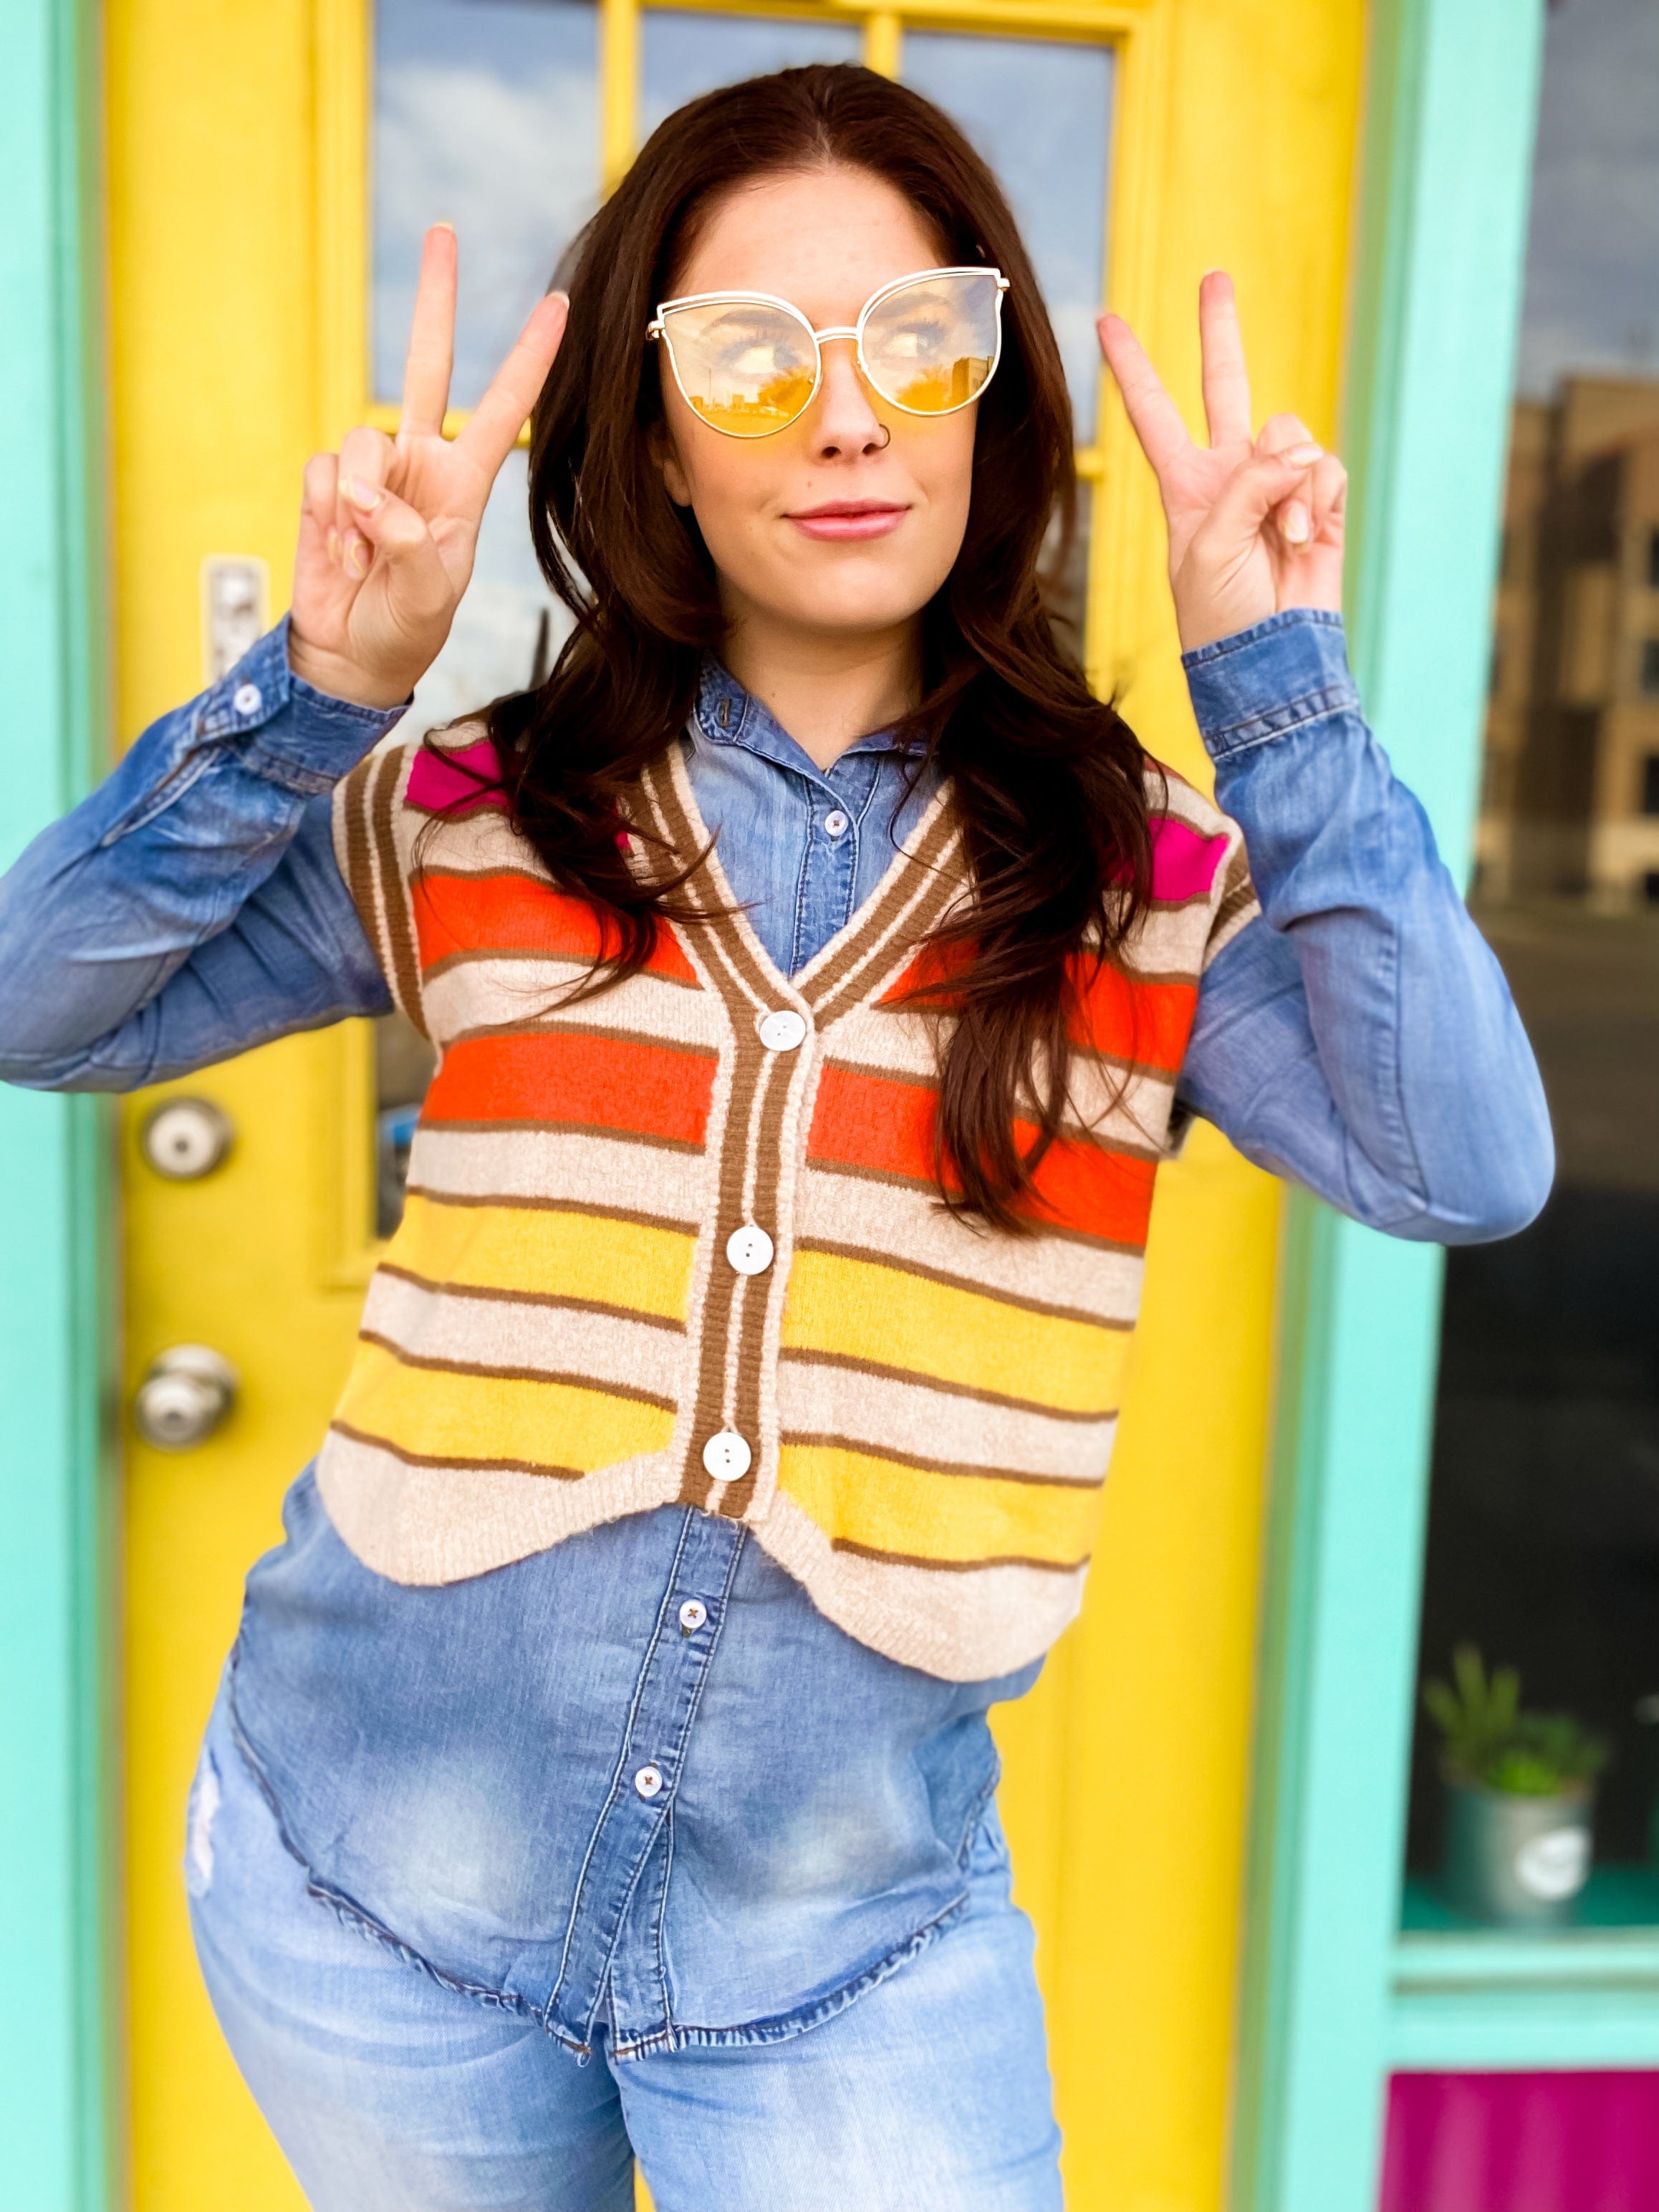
(834, 823)
(748, 1250)
(783, 1030)
(248, 699)
(648, 1781)
(726, 1457)
(693, 1613)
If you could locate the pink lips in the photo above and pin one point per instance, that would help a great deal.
(850, 519)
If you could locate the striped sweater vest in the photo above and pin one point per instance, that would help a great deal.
(682, 1241)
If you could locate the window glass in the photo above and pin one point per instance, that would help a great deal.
(485, 117)
(1543, 1544)
(684, 53)
(1040, 112)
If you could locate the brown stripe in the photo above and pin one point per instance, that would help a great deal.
(464, 1465)
(759, 1096)
(1040, 1226)
(554, 1025)
(1236, 903)
(933, 1382)
(1180, 905)
(360, 859)
(428, 1364)
(895, 919)
(870, 1255)
(490, 1295)
(551, 1206)
(956, 1566)
(942, 1466)
(406, 975)
(431, 1121)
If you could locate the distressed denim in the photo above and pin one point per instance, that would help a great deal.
(390, 2090)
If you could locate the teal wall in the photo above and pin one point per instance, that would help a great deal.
(57, 1893)
(1451, 101)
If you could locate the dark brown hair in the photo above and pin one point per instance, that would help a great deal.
(1047, 779)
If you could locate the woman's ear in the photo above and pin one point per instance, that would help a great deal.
(668, 463)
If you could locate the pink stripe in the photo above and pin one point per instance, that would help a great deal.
(1184, 863)
(439, 781)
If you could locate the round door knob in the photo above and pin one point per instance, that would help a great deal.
(186, 1138)
(184, 1397)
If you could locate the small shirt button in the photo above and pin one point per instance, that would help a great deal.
(693, 1613)
(248, 699)
(648, 1781)
(834, 823)
(783, 1030)
(726, 1457)
(748, 1250)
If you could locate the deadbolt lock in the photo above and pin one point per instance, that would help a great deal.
(185, 1138)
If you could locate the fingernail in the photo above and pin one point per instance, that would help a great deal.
(1304, 457)
(334, 547)
(362, 495)
(356, 557)
(1294, 523)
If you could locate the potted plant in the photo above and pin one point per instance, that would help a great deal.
(1519, 1787)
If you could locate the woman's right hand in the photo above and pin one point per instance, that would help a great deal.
(389, 526)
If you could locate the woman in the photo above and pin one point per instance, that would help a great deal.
(819, 975)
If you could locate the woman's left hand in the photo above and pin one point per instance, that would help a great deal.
(1255, 524)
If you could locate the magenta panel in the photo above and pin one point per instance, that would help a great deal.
(1522, 2143)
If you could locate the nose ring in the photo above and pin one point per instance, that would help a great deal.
(886, 438)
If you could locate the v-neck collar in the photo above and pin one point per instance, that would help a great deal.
(917, 888)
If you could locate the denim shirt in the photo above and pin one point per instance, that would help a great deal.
(636, 1785)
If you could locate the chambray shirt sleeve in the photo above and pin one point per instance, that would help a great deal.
(191, 906)
(1358, 1034)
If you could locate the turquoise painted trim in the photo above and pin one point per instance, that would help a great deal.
(1443, 201)
(57, 1737)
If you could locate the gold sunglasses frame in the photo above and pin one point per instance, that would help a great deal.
(656, 334)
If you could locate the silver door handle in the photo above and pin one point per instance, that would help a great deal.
(184, 1397)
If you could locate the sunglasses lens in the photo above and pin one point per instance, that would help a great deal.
(930, 346)
(746, 367)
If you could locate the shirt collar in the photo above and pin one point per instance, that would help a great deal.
(726, 714)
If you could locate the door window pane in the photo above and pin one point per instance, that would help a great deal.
(485, 117)
(1543, 1544)
(684, 53)
(1040, 112)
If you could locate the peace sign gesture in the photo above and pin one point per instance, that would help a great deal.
(389, 526)
(1255, 524)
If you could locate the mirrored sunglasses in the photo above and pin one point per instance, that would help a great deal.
(750, 364)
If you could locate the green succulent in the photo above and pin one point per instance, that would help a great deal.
(1488, 1742)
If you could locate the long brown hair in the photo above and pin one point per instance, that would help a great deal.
(1047, 781)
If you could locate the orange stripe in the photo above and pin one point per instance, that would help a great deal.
(511, 912)
(1124, 1018)
(610, 1083)
(872, 1123)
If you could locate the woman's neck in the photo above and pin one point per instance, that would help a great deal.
(827, 689)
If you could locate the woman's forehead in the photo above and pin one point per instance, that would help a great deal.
(825, 240)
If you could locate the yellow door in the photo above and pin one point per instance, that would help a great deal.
(269, 168)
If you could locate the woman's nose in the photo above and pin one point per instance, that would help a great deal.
(844, 421)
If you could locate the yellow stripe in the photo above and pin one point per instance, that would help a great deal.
(875, 1502)
(531, 1249)
(472, 1416)
(863, 1311)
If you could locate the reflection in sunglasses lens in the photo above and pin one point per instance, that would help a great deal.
(930, 346)
(749, 369)
(746, 368)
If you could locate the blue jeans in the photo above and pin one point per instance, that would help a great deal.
(391, 2091)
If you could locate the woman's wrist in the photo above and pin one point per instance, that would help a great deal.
(337, 677)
